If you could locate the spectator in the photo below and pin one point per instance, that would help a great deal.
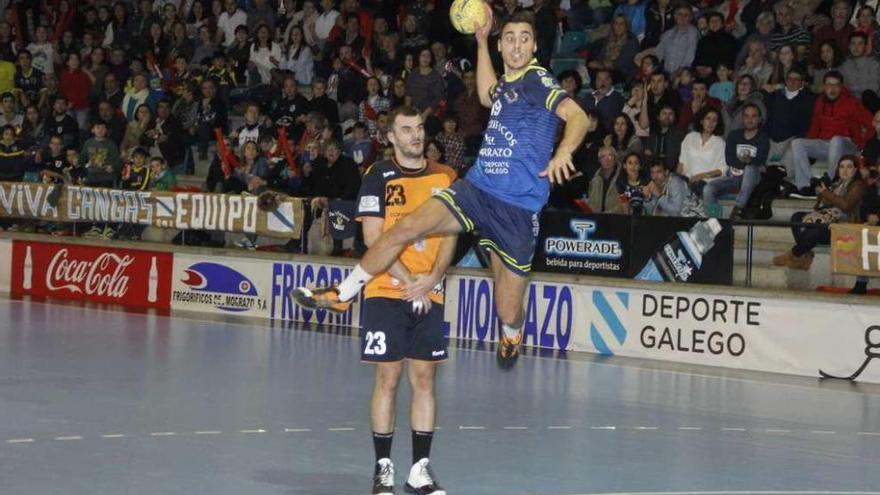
(135, 177)
(453, 145)
(325, 22)
(368, 110)
(604, 99)
(61, 123)
(359, 147)
(260, 13)
(617, 52)
(291, 109)
(668, 194)
(136, 129)
(299, 60)
(265, 56)
(715, 47)
(435, 152)
(571, 82)
(76, 85)
(840, 125)
(747, 93)
(756, 64)
(836, 33)
(425, 85)
(8, 113)
(633, 109)
(603, 196)
(166, 134)
(745, 153)
(140, 94)
(658, 94)
(723, 88)
(12, 156)
(28, 79)
(659, 18)
(623, 137)
(205, 48)
(787, 32)
(472, 117)
(161, 178)
(678, 45)
(630, 185)
(116, 124)
(664, 142)
(861, 72)
(839, 202)
(633, 12)
(867, 25)
(788, 117)
(211, 115)
(45, 56)
(229, 20)
(829, 59)
(702, 151)
(700, 101)
(785, 59)
(33, 129)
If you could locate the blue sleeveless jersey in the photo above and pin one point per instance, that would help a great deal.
(518, 142)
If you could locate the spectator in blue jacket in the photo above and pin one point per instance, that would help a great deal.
(789, 110)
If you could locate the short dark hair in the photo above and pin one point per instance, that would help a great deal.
(756, 107)
(571, 73)
(662, 74)
(521, 17)
(858, 34)
(833, 74)
(659, 162)
(139, 151)
(402, 111)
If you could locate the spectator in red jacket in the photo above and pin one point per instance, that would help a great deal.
(76, 86)
(840, 126)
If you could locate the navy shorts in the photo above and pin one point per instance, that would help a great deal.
(508, 230)
(392, 331)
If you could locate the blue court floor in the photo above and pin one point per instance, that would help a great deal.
(99, 401)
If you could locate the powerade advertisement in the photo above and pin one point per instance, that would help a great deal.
(686, 250)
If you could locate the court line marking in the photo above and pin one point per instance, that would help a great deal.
(823, 432)
(341, 429)
(559, 427)
(776, 430)
(253, 431)
(603, 427)
(70, 437)
(207, 432)
(727, 428)
(690, 428)
(516, 427)
(647, 428)
(296, 430)
(163, 434)
(471, 427)
(20, 440)
(113, 435)
(869, 433)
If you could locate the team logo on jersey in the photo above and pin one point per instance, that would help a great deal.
(369, 203)
(511, 96)
(548, 82)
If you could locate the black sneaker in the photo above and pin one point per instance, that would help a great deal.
(735, 213)
(421, 480)
(383, 479)
(808, 192)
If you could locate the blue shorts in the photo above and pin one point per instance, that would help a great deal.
(508, 230)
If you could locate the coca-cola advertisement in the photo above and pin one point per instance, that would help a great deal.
(128, 277)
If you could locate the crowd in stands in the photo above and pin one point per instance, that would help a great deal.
(691, 101)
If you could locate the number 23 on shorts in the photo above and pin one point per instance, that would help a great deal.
(375, 344)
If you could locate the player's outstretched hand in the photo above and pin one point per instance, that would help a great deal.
(559, 170)
(482, 32)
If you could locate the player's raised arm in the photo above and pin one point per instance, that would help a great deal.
(561, 168)
(486, 78)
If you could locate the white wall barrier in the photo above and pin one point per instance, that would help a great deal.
(793, 336)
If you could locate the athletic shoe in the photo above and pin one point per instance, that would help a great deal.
(383, 480)
(808, 192)
(320, 298)
(421, 480)
(508, 350)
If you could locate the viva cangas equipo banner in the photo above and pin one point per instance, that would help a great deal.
(855, 249)
(807, 338)
(177, 210)
(90, 273)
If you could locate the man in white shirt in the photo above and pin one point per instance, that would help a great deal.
(43, 52)
(326, 20)
(228, 21)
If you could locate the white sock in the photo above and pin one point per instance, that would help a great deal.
(510, 331)
(353, 283)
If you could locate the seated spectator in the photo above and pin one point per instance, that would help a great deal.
(8, 113)
(425, 85)
(658, 19)
(28, 79)
(678, 45)
(299, 60)
(322, 103)
(664, 142)
(632, 109)
(616, 53)
(838, 203)
(623, 136)
(375, 102)
(61, 123)
(135, 176)
(472, 117)
(265, 56)
(101, 158)
(33, 129)
(840, 126)
(12, 156)
(140, 94)
(434, 151)
(702, 151)
(252, 128)
(861, 71)
(633, 12)
(586, 157)
(700, 101)
(866, 23)
(828, 58)
(747, 93)
(657, 95)
(572, 83)
(333, 177)
(453, 145)
(167, 135)
(630, 185)
(668, 194)
(870, 209)
(764, 25)
(603, 196)
(785, 60)
(715, 47)
(604, 99)
(836, 33)
(756, 65)
(789, 110)
(116, 123)
(211, 115)
(136, 129)
(359, 147)
(745, 152)
(787, 32)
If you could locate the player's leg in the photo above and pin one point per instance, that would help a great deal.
(382, 415)
(427, 348)
(510, 288)
(432, 217)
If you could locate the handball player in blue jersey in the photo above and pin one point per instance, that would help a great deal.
(502, 194)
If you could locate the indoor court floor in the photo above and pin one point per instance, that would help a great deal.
(102, 401)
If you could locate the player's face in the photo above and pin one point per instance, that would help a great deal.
(517, 45)
(408, 136)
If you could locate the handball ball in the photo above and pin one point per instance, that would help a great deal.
(467, 15)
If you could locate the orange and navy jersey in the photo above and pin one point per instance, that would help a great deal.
(391, 192)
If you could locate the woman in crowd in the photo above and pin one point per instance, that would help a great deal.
(368, 110)
(840, 202)
(617, 52)
(136, 129)
(785, 59)
(746, 92)
(299, 60)
(829, 59)
(630, 184)
(265, 55)
(702, 151)
(623, 136)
